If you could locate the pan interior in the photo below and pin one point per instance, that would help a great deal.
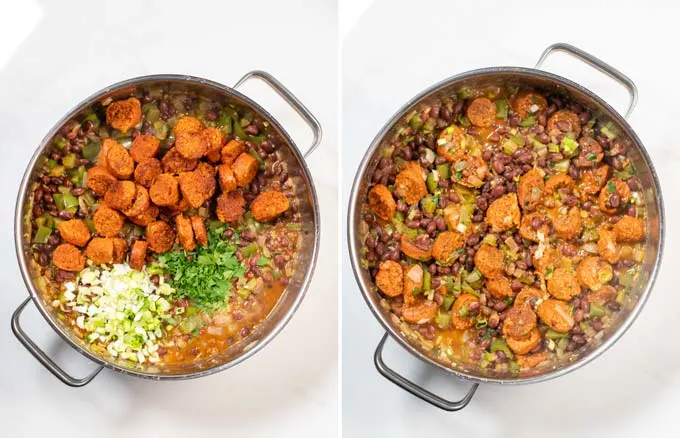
(306, 255)
(544, 82)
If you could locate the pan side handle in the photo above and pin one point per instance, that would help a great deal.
(42, 357)
(598, 64)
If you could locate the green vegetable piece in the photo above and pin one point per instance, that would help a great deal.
(626, 279)
(432, 181)
(294, 226)
(91, 150)
(465, 93)
(58, 201)
(60, 142)
(70, 161)
(444, 171)
(448, 302)
(509, 147)
(552, 334)
(243, 293)
(70, 201)
(595, 311)
(519, 141)
(427, 280)
(606, 131)
(57, 171)
(263, 261)
(561, 166)
(154, 114)
(569, 147)
(627, 173)
(443, 319)
(92, 117)
(42, 234)
(499, 344)
(429, 204)
(529, 121)
(416, 122)
(161, 129)
(90, 225)
(501, 109)
(552, 147)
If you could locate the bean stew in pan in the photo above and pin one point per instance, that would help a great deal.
(504, 228)
(164, 226)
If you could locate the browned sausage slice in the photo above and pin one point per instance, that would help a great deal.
(519, 322)
(245, 168)
(489, 261)
(419, 248)
(230, 206)
(503, 213)
(119, 249)
(528, 103)
(100, 250)
(530, 189)
(138, 255)
(563, 285)
(526, 344)
(410, 184)
(68, 258)
(447, 246)
(141, 202)
(231, 151)
(160, 236)
(556, 315)
(185, 232)
(198, 225)
(99, 180)
(215, 139)
(120, 195)
(481, 112)
(124, 115)
(191, 145)
(165, 190)
(381, 202)
(461, 317)
(629, 229)
(227, 178)
(390, 278)
(269, 205)
(147, 171)
(147, 217)
(74, 231)
(107, 221)
(199, 185)
(564, 121)
(143, 147)
(118, 161)
(174, 162)
(187, 124)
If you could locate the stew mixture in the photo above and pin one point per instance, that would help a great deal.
(164, 226)
(504, 228)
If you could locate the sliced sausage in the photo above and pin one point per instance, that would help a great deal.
(99, 180)
(594, 272)
(603, 295)
(160, 236)
(526, 344)
(419, 312)
(140, 204)
(564, 121)
(528, 231)
(68, 258)
(74, 231)
(489, 261)
(119, 249)
(390, 278)
(215, 139)
(613, 195)
(499, 288)
(530, 189)
(447, 247)
(199, 185)
(629, 229)
(592, 180)
(231, 151)
(143, 147)
(191, 145)
(531, 360)
(185, 232)
(119, 162)
(563, 285)
(165, 190)
(120, 195)
(503, 213)
(147, 217)
(569, 225)
(419, 248)
(528, 296)
(460, 312)
(230, 206)
(606, 244)
(104, 150)
(198, 225)
(527, 103)
(452, 216)
(187, 124)
(138, 255)
(381, 202)
(410, 184)
(147, 171)
(245, 168)
(450, 141)
(556, 315)
(174, 162)
(226, 178)
(482, 112)
(107, 221)
(269, 205)
(473, 171)
(590, 154)
(559, 181)
(124, 115)
(519, 322)
(100, 250)
(549, 258)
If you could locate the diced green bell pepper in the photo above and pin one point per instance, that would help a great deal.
(499, 344)
(42, 234)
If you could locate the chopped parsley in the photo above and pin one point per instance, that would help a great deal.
(611, 187)
(591, 157)
(204, 275)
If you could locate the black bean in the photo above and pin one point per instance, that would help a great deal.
(380, 248)
(267, 146)
(614, 200)
(494, 138)
(497, 191)
(441, 223)
(596, 324)
(500, 306)
(634, 184)
(66, 215)
(514, 120)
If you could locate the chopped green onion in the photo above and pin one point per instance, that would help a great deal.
(569, 147)
(627, 173)
(501, 109)
(610, 135)
(595, 311)
(529, 121)
(448, 302)
(561, 166)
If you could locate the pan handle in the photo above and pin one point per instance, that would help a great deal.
(416, 389)
(42, 357)
(291, 100)
(598, 64)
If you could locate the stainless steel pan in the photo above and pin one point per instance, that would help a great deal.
(291, 298)
(542, 80)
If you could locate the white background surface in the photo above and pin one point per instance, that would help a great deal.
(53, 55)
(399, 48)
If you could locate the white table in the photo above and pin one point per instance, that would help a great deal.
(54, 54)
(397, 49)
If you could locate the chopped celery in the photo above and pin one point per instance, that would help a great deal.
(509, 147)
(154, 114)
(92, 117)
(57, 171)
(42, 234)
(552, 147)
(416, 122)
(249, 250)
(60, 142)
(70, 201)
(529, 121)
(161, 129)
(58, 201)
(294, 226)
(91, 150)
(473, 276)
(626, 279)
(464, 121)
(448, 302)
(499, 344)
(561, 166)
(443, 319)
(444, 171)
(429, 204)
(552, 334)
(432, 181)
(595, 311)
(569, 147)
(90, 225)
(606, 131)
(519, 141)
(490, 239)
(465, 93)
(70, 161)
(501, 109)
(427, 280)
(51, 164)
(243, 293)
